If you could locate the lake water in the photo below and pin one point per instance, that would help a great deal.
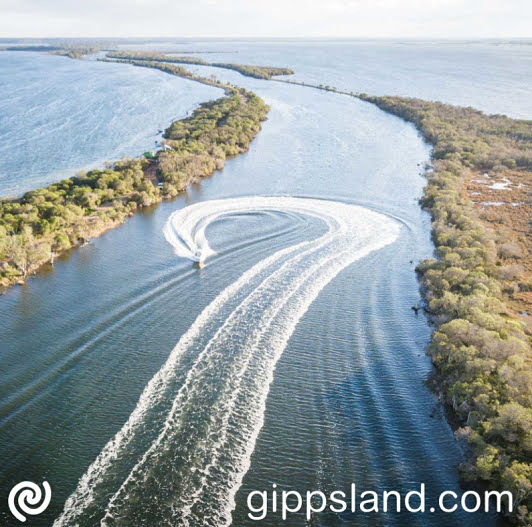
(307, 370)
(493, 76)
(58, 116)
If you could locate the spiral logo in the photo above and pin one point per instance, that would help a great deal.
(25, 498)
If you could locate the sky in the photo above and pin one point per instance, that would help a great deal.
(267, 18)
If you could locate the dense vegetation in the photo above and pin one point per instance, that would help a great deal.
(51, 220)
(258, 72)
(201, 143)
(483, 354)
(249, 70)
(155, 56)
(75, 53)
(68, 51)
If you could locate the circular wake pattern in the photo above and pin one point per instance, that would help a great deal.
(181, 456)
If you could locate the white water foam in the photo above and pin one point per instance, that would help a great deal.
(181, 456)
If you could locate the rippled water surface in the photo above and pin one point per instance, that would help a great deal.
(493, 76)
(59, 116)
(148, 391)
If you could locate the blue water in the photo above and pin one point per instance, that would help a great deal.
(492, 76)
(348, 401)
(59, 116)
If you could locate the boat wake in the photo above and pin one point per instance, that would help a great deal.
(181, 456)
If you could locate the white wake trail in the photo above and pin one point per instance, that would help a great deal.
(184, 451)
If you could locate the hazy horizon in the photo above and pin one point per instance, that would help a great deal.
(265, 38)
(383, 19)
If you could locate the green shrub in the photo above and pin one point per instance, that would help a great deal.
(482, 354)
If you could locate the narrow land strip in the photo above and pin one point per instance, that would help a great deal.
(49, 221)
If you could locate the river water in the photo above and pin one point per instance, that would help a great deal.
(147, 391)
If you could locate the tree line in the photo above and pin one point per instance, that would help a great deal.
(482, 353)
(258, 72)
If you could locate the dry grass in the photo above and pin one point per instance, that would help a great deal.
(502, 201)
